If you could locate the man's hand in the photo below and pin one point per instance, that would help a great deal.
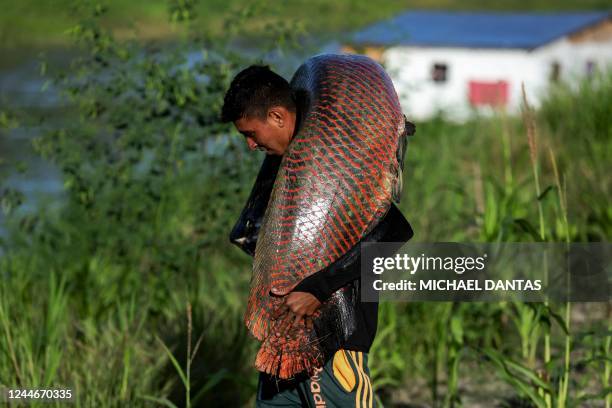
(300, 305)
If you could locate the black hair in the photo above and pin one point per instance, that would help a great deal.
(253, 92)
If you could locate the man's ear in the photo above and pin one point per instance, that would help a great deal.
(277, 115)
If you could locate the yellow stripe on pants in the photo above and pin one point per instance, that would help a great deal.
(364, 380)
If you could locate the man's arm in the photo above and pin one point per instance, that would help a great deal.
(392, 228)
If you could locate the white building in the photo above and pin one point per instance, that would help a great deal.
(459, 62)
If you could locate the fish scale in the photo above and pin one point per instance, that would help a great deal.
(335, 182)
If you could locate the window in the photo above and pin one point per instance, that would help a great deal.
(439, 73)
(488, 93)
(555, 71)
(590, 68)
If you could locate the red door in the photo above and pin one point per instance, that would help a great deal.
(483, 93)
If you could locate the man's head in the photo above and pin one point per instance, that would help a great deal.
(261, 106)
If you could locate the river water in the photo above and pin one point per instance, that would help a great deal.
(21, 88)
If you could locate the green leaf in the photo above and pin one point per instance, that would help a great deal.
(561, 321)
(527, 372)
(526, 226)
(526, 385)
(531, 393)
(457, 328)
(162, 401)
(175, 363)
(545, 192)
(517, 384)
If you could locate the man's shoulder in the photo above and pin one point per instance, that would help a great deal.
(393, 227)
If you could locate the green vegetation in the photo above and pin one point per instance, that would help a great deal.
(44, 22)
(131, 295)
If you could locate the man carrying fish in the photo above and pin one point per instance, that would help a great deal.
(335, 139)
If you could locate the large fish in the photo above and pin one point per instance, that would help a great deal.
(334, 183)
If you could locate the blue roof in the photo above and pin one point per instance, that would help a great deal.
(476, 29)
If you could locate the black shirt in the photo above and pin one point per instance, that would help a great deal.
(392, 228)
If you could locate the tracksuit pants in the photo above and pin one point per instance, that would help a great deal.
(344, 381)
